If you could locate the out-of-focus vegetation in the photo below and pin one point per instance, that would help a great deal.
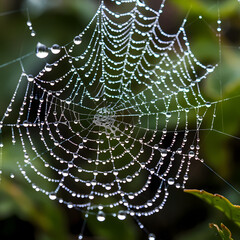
(28, 214)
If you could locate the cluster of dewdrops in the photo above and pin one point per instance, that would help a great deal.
(158, 76)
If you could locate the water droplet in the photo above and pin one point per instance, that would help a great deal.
(131, 196)
(140, 3)
(77, 40)
(48, 67)
(80, 237)
(29, 23)
(70, 205)
(68, 101)
(33, 33)
(65, 172)
(151, 236)
(53, 196)
(30, 78)
(41, 50)
(129, 178)
(122, 215)
(178, 185)
(171, 181)
(185, 177)
(191, 154)
(163, 152)
(12, 175)
(25, 123)
(168, 114)
(101, 216)
(210, 68)
(91, 196)
(55, 49)
(108, 186)
(208, 104)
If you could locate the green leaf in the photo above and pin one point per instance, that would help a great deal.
(224, 232)
(219, 202)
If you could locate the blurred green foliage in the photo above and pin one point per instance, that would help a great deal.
(182, 219)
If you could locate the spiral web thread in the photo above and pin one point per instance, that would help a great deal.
(107, 121)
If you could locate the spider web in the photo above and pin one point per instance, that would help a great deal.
(109, 114)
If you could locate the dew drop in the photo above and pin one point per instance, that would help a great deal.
(53, 196)
(68, 101)
(30, 78)
(29, 24)
(65, 172)
(171, 181)
(210, 68)
(178, 185)
(80, 237)
(48, 67)
(129, 178)
(101, 216)
(208, 104)
(131, 196)
(191, 154)
(55, 49)
(140, 3)
(163, 152)
(70, 205)
(168, 114)
(151, 236)
(41, 50)
(122, 215)
(108, 186)
(77, 40)
(185, 177)
(25, 123)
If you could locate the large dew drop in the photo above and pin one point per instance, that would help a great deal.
(77, 40)
(53, 196)
(101, 216)
(41, 51)
(171, 181)
(163, 153)
(30, 78)
(151, 236)
(122, 215)
(55, 49)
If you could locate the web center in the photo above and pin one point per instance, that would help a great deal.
(104, 117)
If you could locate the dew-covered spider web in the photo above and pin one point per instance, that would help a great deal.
(109, 114)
